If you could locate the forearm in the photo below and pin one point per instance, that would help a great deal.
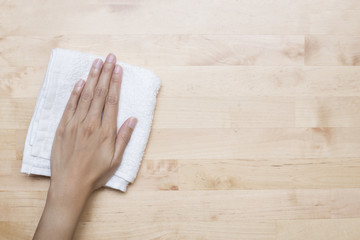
(61, 213)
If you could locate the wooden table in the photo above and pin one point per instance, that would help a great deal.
(257, 128)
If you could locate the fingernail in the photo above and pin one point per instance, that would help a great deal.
(110, 58)
(117, 69)
(97, 63)
(132, 122)
(80, 83)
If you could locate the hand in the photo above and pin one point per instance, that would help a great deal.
(86, 150)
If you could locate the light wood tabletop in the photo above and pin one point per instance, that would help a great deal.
(256, 133)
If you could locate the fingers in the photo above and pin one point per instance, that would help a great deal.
(123, 139)
(102, 87)
(112, 99)
(88, 92)
(71, 105)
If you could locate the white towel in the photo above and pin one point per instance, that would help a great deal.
(138, 93)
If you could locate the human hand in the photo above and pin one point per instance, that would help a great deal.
(86, 149)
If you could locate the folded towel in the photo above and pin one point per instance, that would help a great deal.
(138, 93)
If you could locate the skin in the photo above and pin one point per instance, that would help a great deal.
(87, 149)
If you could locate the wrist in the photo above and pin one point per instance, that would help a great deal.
(69, 199)
(68, 191)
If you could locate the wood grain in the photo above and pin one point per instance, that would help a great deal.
(308, 173)
(332, 50)
(254, 143)
(203, 206)
(329, 229)
(328, 112)
(129, 17)
(256, 133)
(164, 50)
(249, 229)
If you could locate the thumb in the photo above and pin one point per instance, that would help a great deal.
(123, 138)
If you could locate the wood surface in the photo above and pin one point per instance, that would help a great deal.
(256, 133)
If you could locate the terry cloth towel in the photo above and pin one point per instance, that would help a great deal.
(138, 93)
